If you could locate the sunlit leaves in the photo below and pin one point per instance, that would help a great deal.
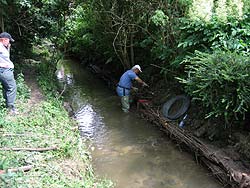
(159, 18)
(233, 35)
(24, 3)
(201, 9)
(223, 9)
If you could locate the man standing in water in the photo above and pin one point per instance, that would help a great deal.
(125, 84)
(6, 72)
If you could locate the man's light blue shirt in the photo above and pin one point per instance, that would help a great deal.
(5, 57)
(125, 83)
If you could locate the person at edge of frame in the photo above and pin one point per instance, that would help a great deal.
(7, 72)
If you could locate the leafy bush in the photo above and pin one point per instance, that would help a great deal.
(221, 81)
(47, 79)
(77, 36)
(23, 91)
(233, 35)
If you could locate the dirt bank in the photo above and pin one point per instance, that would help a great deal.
(40, 145)
(212, 145)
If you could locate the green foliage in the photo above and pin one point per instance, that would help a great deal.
(16, 19)
(45, 124)
(163, 30)
(23, 91)
(47, 79)
(30, 20)
(159, 18)
(201, 9)
(233, 35)
(122, 31)
(77, 33)
(160, 48)
(49, 167)
(222, 9)
(220, 81)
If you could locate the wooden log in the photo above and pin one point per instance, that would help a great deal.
(28, 149)
(23, 135)
(19, 169)
(12, 135)
(223, 167)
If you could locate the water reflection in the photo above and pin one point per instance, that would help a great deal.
(89, 121)
(128, 150)
(60, 74)
(64, 76)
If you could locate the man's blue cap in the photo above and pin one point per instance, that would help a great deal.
(7, 35)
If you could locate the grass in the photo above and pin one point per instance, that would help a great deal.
(43, 125)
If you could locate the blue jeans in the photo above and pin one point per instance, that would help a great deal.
(9, 86)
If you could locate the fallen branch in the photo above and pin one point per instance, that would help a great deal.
(64, 88)
(19, 169)
(29, 149)
(223, 167)
(12, 135)
(23, 135)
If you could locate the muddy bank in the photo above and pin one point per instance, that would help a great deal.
(225, 164)
(198, 137)
(40, 146)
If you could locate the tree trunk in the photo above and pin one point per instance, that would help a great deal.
(1, 21)
(132, 55)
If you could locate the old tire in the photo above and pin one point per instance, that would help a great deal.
(176, 107)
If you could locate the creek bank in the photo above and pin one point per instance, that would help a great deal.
(40, 146)
(226, 164)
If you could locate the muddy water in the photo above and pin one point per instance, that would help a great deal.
(127, 149)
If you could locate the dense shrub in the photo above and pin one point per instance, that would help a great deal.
(212, 35)
(221, 81)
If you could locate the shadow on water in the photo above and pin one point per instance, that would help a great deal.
(127, 149)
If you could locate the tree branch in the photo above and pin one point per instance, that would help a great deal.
(22, 169)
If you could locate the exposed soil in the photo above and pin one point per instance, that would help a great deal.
(36, 94)
(213, 145)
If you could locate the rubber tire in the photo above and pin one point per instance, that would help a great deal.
(182, 110)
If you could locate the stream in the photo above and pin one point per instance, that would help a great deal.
(125, 148)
